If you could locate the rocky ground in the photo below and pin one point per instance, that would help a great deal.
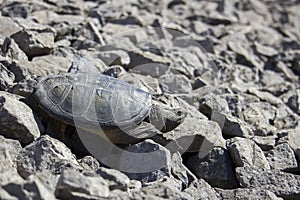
(232, 66)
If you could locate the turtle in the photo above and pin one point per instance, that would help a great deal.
(99, 104)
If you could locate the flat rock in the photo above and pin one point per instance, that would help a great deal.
(259, 115)
(167, 189)
(175, 84)
(16, 119)
(245, 152)
(114, 178)
(200, 189)
(10, 27)
(285, 118)
(282, 184)
(35, 43)
(292, 100)
(147, 63)
(291, 136)
(6, 195)
(216, 168)
(192, 137)
(33, 188)
(89, 163)
(6, 78)
(9, 149)
(114, 57)
(74, 185)
(265, 96)
(210, 103)
(266, 143)
(247, 193)
(282, 157)
(231, 126)
(45, 155)
(156, 164)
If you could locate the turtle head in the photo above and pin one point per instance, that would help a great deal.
(166, 118)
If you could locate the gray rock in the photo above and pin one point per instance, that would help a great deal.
(245, 152)
(265, 50)
(198, 82)
(292, 100)
(6, 195)
(35, 43)
(40, 66)
(284, 185)
(282, 157)
(259, 115)
(166, 189)
(11, 147)
(147, 63)
(89, 163)
(12, 51)
(10, 27)
(231, 126)
(149, 83)
(74, 185)
(175, 84)
(16, 119)
(114, 178)
(45, 155)
(291, 136)
(6, 78)
(200, 189)
(247, 193)
(21, 9)
(160, 164)
(115, 71)
(265, 96)
(285, 118)
(33, 188)
(216, 168)
(9, 150)
(192, 137)
(266, 143)
(271, 78)
(210, 103)
(157, 173)
(114, 57)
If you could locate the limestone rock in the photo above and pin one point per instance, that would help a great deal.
(89, 163)
(282, 184)
(247, 193)
(282, 157)
(155, 164)
(245, 152)
(45, 155)
(265, 142)
(6, 78)
(9, 149)
(192, 137)
(74, 185)
(10, 27)
(114, 178)
(176, 84)
(216, 168)
(16, 119)
(33, 188)
(200, 189)
(35, 43)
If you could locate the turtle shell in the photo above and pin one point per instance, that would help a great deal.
(92, 100)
